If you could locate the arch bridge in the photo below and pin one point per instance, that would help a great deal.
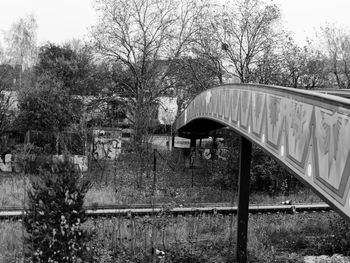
(306, 131)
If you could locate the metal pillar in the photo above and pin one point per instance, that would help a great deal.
(172, 141)
(243, 199)
(193, 143)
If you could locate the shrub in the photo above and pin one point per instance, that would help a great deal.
(183, 254)
(47, 106)
(55, 215)
(338, 239)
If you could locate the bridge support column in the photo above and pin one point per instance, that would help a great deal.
(172, 141)
(193, 143)
(243, 199)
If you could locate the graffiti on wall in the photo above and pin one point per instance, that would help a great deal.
(106, 146)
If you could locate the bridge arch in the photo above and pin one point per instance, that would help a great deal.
(307, 131)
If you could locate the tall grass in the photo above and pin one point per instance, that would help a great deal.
(11, 241)
(13, 190)
(132, 239)
(119, 188)
(202, 238)
(289, 236)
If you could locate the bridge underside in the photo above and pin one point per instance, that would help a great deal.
(199, 128)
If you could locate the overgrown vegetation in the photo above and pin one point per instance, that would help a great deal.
(46, 107)
(142, 51)
(302, 234)
(204, 238)
(338, 240)
(55, 215)
(211, 181)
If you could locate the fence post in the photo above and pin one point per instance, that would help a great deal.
(192, 157)
(243, 200)
(27, 139)
(172, 141)
(154, 160)
(154, 171)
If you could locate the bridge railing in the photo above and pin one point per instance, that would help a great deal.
(307, 131)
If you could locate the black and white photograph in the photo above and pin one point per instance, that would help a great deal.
(174, 131)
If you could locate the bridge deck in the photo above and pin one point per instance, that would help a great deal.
(307, 131)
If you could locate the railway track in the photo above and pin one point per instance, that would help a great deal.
(193, 209)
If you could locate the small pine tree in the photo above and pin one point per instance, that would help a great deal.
(55, 215)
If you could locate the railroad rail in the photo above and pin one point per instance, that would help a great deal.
(147, 210)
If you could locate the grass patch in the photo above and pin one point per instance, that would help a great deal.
(202, 238)
(271, 236)
(13, 190)
(118, 186)
(11, 245)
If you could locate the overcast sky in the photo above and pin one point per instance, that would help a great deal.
(62, 20)
(303, 17)
(58, 20)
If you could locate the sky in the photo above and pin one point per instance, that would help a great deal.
(60, 21)
(303, 17)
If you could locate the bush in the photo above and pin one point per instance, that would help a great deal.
(338, 241)
(55, 215)
(183, 254)
(46, 107)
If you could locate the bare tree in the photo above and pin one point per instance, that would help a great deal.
(207, 46)
(293, 66)
(302, 67)
(145, 36)
(21, 42)
(337, 42)
(2, 54)
(293, 61)
(316, 72)
(269, 68)
(245, 29)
